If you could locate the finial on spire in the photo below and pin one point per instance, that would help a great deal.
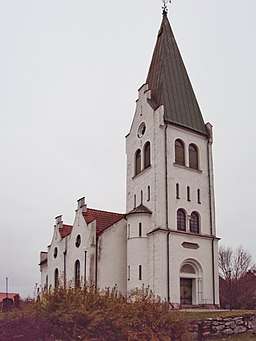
(164, 7)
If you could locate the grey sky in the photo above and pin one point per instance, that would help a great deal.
(69, 74)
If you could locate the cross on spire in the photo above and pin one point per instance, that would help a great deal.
(164, 7)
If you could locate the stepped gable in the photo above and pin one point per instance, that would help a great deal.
(104, 219)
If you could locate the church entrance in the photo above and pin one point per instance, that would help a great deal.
(186, 291)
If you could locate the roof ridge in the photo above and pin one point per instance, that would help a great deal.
(95, 209)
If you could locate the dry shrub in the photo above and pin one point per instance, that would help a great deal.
(87, 314)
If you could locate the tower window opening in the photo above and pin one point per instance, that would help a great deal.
(181, 220)
(134, 201)
(148, 193)
(179, 152)
(141, 197)
(188, 193)
(198, 196)
(140, 272)
(177, 191)
(140, 229)
(128, 231)
(129, 273)
(137, 161)
(194, 222)
(193, 156)
(147, 155)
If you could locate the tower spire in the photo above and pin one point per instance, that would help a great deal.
(169, 82)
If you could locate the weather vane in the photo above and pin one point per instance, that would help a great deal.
(165, 9)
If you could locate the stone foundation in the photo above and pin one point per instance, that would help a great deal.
(216, 327)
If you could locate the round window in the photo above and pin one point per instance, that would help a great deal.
(78, 240)
(141, 129)
(55, 252)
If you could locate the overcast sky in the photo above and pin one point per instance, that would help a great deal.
(69, 74)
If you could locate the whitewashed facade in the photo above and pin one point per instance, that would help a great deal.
(166, 240)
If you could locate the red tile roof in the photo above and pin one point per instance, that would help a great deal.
(10, 295)
(65, 230)
(103, 219)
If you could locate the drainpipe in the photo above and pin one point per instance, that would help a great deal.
(96, 263)
(166, 213)
(209, 158)
(85, 258)
(65, 263)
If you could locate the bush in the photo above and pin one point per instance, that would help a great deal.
(87, 314)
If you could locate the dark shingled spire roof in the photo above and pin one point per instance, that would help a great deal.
(170, 85)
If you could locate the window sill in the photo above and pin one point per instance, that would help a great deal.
(142, 172)
(188, 168)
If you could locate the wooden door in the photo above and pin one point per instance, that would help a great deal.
(186, 291)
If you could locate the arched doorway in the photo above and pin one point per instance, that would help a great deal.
(191, 283)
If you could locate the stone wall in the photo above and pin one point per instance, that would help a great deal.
(215, 327)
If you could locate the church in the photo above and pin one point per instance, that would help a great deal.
(166, 240)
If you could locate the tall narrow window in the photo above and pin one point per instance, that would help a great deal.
(177, 191)
(193, 156)
(140, 229)
(137, 162)
(181, 220)
(56, 278)
(179, 152)
(148, 193)
(77, 273)
(147, 155)
(198, 196)
(194, 222)
(141, 197)
(46, 284)
(134, 200)
(140, 272)
(188, 193)
(129, 273)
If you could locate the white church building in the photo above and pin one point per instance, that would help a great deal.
(166, 240)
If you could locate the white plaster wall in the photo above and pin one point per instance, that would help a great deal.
(202, 255)
(158, 263)
(137, 249)
(186, 176)
(88, 239)
(55, 263)
(112, 257)
(44, 273)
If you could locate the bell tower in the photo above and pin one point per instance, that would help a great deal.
(171, 234)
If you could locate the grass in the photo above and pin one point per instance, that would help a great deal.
(201, 315)
(241, 337)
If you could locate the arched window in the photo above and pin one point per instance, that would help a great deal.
(194, 222)
(137, 161)
(147, 155)
(179, 152)
(193, 156)
(188, 269)
(181, 220)
(56, 278)
(77, 273)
